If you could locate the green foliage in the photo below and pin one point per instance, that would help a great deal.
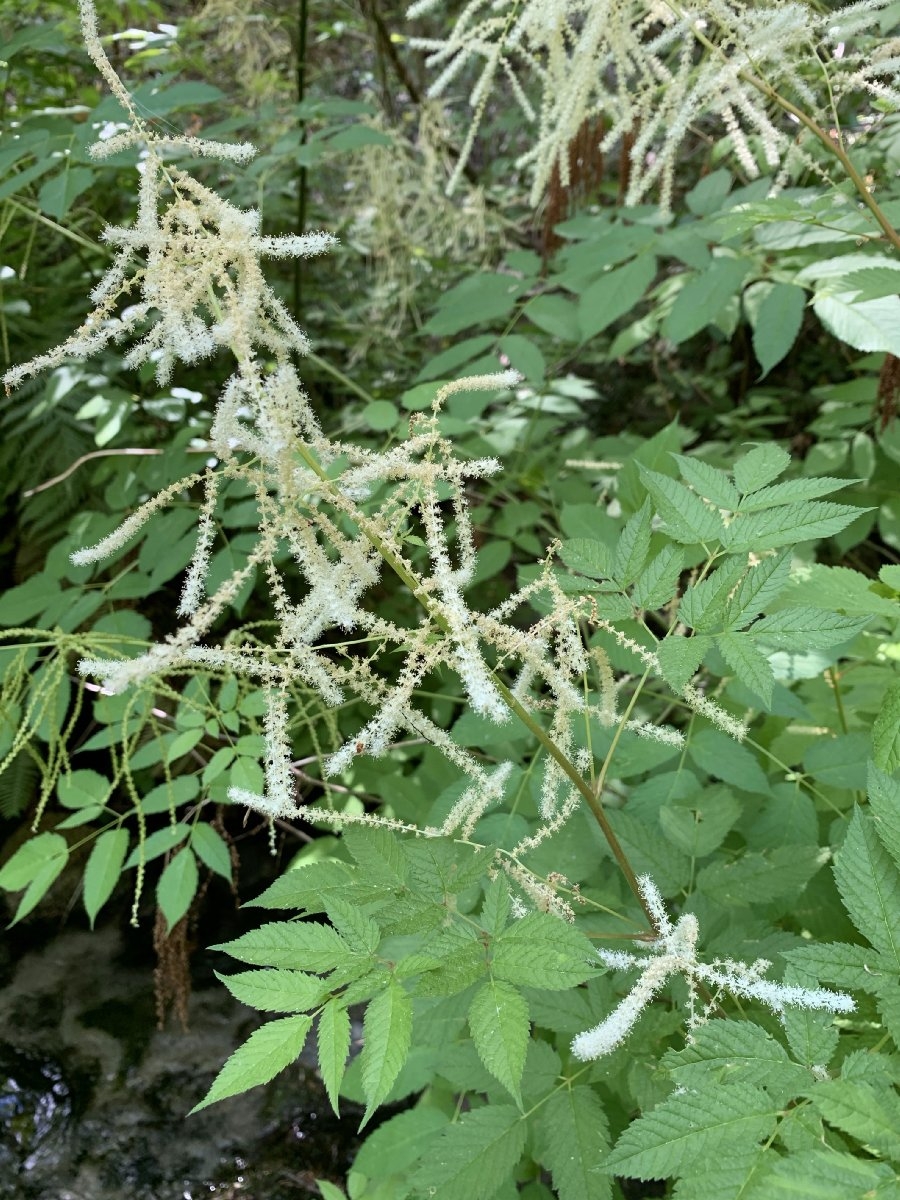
(713, 631)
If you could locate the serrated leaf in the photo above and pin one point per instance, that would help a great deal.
(658, 582)
(542, 951)
(651, 852)
(820, 1175)
(633, 546)
(439, 864)
(461, 959)
(788, 524)
(687, 1128)
(273, 990)
(870, 1114)
(357, 929)
(498, 1020)
(387, 1028)
(708, 481)
(574, 1140)
(307, 887)
(783, 871)
(763, 583)
(886, 731)
(869, 884)
(587, 556)
(728, 1177)
(687, 518)
(812, 1036)
(396, 1145)
(210, 847)
(265, 1053)
(760, 466)
(82, 789)
(177, 886)
(497, 905)
(475, 1156)
(704, 604)
(698, 833)
(811, 628)
(158, 843)
(679, 659)
(839, 761)
(790, 491)
(301, 945)
(841, 963)
(884, 804)
(378, 853)
(31, 859)
(871, 283)
(841, 589)
(777, 323)
(749, 664)
(333, 1045)
(103, 870)
(34, 866)
(734, 1051)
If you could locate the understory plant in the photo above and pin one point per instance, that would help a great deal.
(672, 733)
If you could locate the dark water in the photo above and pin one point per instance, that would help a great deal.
(93, 1099)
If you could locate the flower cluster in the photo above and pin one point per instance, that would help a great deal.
(651, 68)
(674, 952)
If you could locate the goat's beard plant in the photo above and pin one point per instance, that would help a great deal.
(650, 68)
(344, 513)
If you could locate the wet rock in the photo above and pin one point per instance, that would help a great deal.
(94, 1099)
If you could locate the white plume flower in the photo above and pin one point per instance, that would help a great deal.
(674, 952)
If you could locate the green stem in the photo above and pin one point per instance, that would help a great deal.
(835, 148)
(332, 370)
